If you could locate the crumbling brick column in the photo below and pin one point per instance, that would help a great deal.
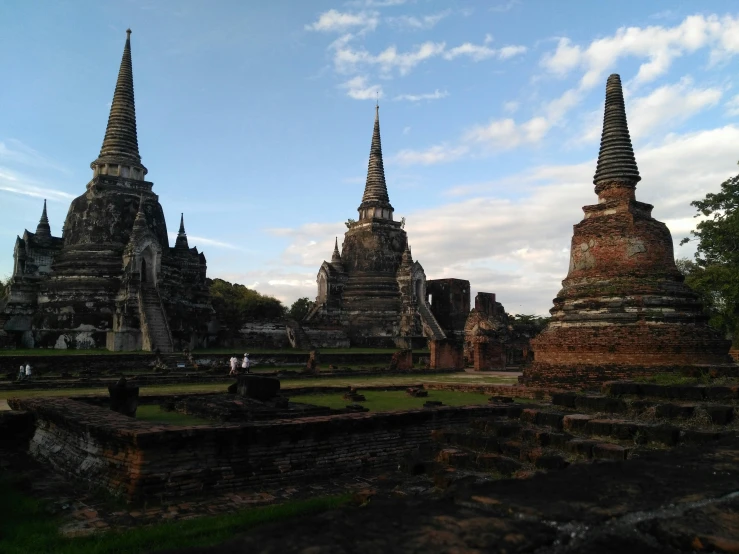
(446, 354)
(402, 360)
(488, 356)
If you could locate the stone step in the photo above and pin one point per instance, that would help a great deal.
(671, 392)
(718, 414)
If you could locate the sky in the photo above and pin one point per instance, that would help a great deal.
(255, 120)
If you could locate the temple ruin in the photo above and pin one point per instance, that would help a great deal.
(372, 293)
(111, 279)
(624, 310)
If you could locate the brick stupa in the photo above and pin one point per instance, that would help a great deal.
(624, 310)
(111, 280)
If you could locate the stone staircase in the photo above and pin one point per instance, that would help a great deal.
(518, 439)
(428, 319)
(156, 320)
(297, 336)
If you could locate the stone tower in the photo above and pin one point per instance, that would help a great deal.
(623, 310)
(113, 280)
(369, 289)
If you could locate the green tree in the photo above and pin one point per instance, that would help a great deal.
(714, 274)
(300, 308)
(236, 304)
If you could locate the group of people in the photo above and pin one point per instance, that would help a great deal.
(24, 372)
(245, 364)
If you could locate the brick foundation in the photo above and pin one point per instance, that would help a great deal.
(141, 460)
(446, 354)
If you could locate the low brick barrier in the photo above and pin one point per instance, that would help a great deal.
(141, 460)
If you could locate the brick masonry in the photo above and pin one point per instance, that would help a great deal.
(141, 460)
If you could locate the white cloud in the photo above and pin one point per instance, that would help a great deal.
(529, 255)
(14, 151)
(349, 60)
(508, 6)
(424, 22)
(193, 240)
(336, 21)
(659, 45)
(482, 52)
(436, 95)
(511, 106)
(434, 155)
(669, 105)
(732, 106)
(406, 130)
(358, 89)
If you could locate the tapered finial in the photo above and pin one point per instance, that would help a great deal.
(120, 145)
(616, 162)
(43, 229)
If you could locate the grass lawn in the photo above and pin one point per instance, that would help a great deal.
(32, 352)
(359, 381)
(155, 414)
(387, 401)
(25, 528)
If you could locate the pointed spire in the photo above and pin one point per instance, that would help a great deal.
(375, 190)
(120, 145)
(336, 256)
(140, 221)
(181, 241)
(407, 256)
(616, 162)
(43, 229)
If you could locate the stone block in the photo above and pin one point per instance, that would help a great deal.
(674, 411)
(124, 399)
(665, 434)
(720, 415)
(600, 427)
(551, 461)
(501, 464)
(566, 399)
(550, 419)
(537, 436)
(576, 422)
(607, 451)
(258, 387)
(621, 388)
(699, 436)
(697, 392)
(580, 447)
(722, 393)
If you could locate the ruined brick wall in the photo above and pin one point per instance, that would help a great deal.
(450, 303)
(446, 354)
(592, 376)
(142, 460)
(655, 344)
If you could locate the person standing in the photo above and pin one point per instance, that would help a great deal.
(28, 371)
(21, 372)
(245, 363)
(233, 362)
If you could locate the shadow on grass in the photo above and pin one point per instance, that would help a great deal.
(25, 527)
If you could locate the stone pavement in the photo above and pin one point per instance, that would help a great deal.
(83, 512)
(677, 502)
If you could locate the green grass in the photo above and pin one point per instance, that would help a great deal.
(359, 381)
(155, 414)
(25, 528)
(387, 401)
(33, 352)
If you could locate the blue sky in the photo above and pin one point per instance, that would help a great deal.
(255, 120)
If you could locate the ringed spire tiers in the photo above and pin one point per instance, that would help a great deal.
(43, 229)
(616, 162)
(119, 154)
(375, 201)
(181, 241)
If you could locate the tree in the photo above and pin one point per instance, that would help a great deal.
(236, 304)
(300, 308)
(714, 274)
